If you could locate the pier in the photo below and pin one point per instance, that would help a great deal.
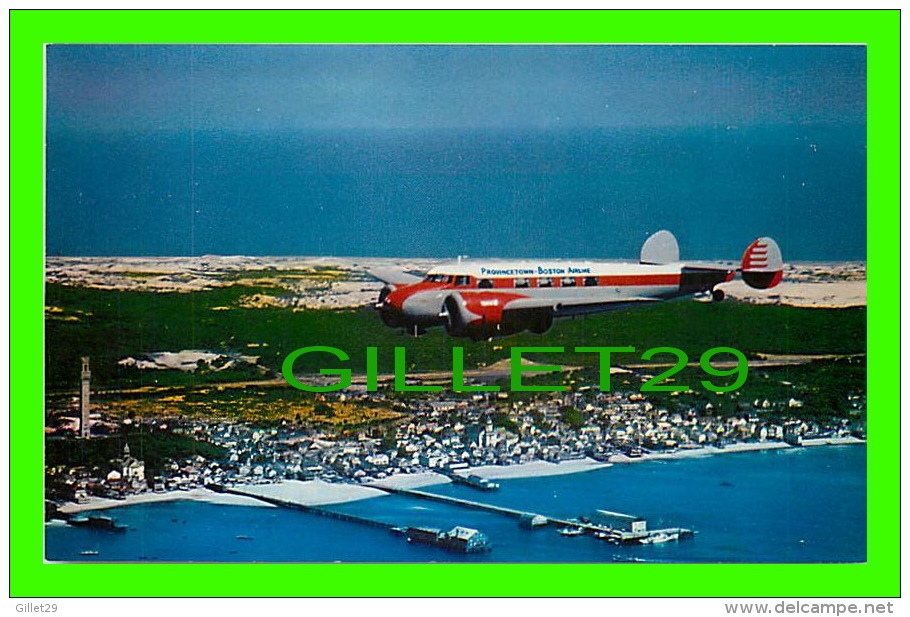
(303, 508)
(459, 539)
(472, 481)
(638, 534)
(466, 503)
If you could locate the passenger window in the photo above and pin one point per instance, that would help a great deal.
(545, 282)
(462, 280)
(485, 283)
(568, 282)
(522, 283)
(590, 281)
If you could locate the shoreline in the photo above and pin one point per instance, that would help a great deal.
(535, 469)
(195, 494)
(757, 446)
(321, 493)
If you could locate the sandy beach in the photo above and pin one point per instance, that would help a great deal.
(412, 480)
(803, 293)
(697, 452)
(832, 441)
(732, 448)
(534, 469)
(320, 493)
(196, 494)
(312, 492)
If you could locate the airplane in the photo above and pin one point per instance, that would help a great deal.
(482, 299)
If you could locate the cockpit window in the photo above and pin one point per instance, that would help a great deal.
(568, 282)
(522, 283)
(590, 281)
(485, 283)
(438, 278)
(462, 280)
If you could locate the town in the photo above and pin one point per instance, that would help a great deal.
(435, 431)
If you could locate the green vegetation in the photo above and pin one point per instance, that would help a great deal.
(271, 405)
(279, 274)
(117, 324)
(572, 417)
(154, 447)
(822, 389)
(502, 420)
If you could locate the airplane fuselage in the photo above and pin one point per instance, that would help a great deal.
(482, 298)
(500, 297)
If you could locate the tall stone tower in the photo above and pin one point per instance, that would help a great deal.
(84, 402)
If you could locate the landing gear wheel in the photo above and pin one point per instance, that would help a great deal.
(389, 319)
(541, 324)
(717, 295)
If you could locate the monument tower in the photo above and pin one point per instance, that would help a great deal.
(84, 403)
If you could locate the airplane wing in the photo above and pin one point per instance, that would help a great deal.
(567, 308)
(711, 266)
(393, 276)
(480, 316)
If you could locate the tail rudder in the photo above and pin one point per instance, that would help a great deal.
(660, 248)
(763, 265)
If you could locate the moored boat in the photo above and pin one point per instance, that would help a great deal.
(571, 531)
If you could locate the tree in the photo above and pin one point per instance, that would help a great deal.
(571, 416)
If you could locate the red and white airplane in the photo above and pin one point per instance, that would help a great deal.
(481, 299)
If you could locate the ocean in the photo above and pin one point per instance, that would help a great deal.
(441, 193)
(800, 505)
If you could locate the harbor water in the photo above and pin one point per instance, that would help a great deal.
(795, 505)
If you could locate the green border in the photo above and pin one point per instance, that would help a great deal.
(30, 30)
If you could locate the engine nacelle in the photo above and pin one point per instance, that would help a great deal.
(389, 316)
(481, 316)
(457, 317)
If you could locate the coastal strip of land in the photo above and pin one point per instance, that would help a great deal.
(195, 494)
(734, 447)
(534, 469)
(321, 493)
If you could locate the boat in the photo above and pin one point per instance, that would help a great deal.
(243, 537)
(97, 522)
(473, 480)
(571, 531)
(88, 552)
(660, 537)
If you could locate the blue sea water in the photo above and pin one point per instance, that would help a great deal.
(796, 505)
(440, 193)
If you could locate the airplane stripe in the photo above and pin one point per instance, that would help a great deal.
(639, 279)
